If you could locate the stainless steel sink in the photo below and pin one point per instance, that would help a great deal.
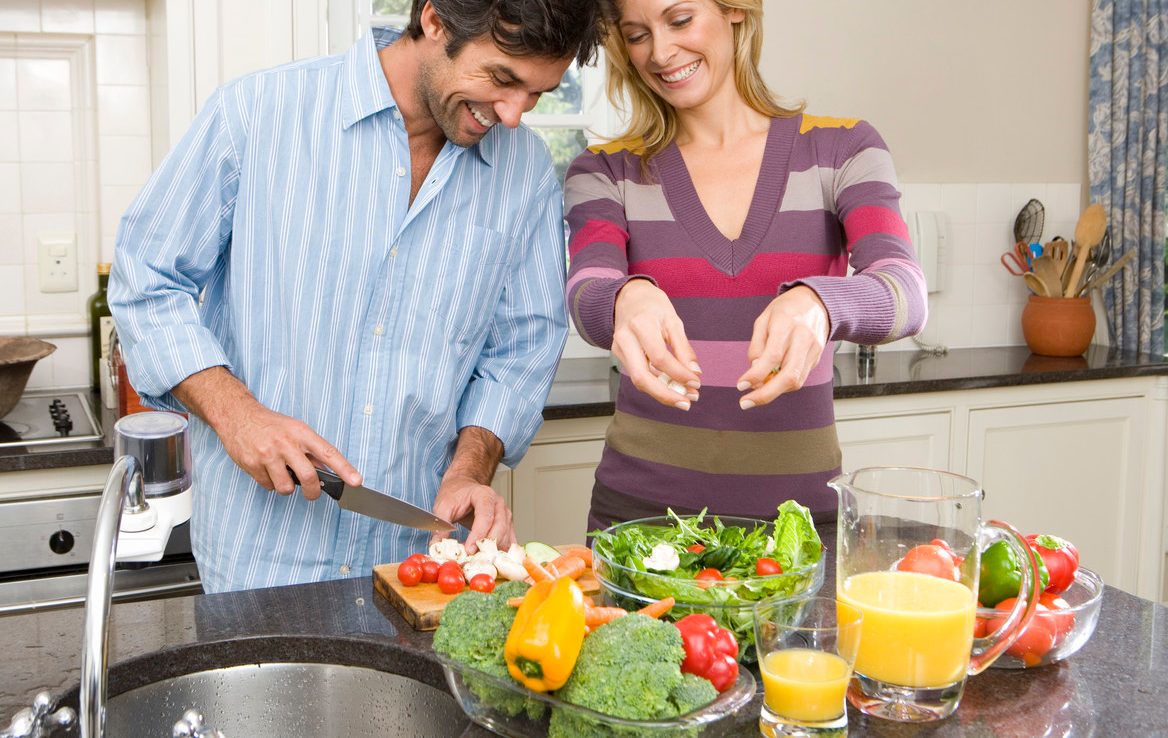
(289, 700)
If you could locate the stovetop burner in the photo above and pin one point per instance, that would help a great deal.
(46, 417)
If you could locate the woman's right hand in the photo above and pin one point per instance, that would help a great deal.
(649, 340)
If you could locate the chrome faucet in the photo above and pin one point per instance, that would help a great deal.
(123, 489)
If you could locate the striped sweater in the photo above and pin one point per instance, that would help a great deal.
(826, 195)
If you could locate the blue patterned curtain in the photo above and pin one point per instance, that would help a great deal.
(1127, 152)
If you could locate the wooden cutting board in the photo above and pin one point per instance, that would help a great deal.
(422, 605)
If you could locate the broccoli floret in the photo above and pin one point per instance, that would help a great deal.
(472, 631)
(693, 692)
(629, 668)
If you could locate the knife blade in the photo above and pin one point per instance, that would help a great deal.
(374, 504)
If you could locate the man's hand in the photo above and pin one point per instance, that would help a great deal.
(465, 495)
(264, 443)
(649, 339)
(786, 344)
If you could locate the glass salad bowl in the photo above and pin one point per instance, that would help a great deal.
(506, 707)
(729, 601)
(1069, 629)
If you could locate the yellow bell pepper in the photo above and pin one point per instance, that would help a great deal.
(545, 639)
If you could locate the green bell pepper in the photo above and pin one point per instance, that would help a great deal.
(1001, 574)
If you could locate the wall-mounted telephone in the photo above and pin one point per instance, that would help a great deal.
(926, 230)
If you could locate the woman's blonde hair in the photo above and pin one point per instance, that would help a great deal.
(652, 121)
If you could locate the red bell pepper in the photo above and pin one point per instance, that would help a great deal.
(711, 652)
(1061, 559)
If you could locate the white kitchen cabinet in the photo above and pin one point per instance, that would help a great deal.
(551, 488)
(868, 437)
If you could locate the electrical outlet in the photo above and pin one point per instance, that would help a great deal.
(57, 260)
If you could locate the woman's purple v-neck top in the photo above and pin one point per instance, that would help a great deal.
(826, 196)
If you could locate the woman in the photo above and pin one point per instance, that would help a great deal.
(709, 250)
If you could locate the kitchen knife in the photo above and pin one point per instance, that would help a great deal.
(370, 502)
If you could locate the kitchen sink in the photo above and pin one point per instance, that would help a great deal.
(289, 699)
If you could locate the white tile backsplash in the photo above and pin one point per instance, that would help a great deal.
(20, 15)
(121, 60)
(47, 187)
(12, 294)
(980, 304)
(9, 188)
(67, 16)
(9, 136)
(120, 16)
(123, 110)
(11, 240)
(46, 136)
(125, 160)
(43, 84)
(8, 99)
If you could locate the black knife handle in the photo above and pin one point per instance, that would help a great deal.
(330, 483)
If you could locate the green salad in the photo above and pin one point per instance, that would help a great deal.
(714, 568)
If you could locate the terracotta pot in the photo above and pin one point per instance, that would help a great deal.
(1058, 326)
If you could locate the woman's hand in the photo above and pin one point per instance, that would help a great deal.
(650, 342)
(787, 342)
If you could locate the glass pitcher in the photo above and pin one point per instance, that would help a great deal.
(917, 645)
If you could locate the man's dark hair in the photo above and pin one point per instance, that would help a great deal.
(550, 28)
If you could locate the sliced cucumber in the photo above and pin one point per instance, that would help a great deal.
(540, 553)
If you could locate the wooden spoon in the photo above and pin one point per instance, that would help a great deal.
(1036, 285)
(1088, 233)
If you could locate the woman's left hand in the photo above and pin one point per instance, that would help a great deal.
(787, 342)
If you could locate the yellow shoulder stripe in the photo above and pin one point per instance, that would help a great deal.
(823, 121)
(633, 146)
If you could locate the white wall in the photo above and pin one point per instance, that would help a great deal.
(75, 122)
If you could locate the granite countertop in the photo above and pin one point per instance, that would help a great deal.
(1113, 686)
(586, 387)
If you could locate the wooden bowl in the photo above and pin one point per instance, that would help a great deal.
(18, 355)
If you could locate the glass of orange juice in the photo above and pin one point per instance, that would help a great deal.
(806, 651)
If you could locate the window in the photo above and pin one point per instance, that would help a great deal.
(569, 119)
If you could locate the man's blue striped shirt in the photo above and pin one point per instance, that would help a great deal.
(386, 326)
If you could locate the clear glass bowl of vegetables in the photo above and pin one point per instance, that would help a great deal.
(718, 565)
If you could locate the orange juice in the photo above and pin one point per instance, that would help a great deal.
(917, 629)
(805, 685)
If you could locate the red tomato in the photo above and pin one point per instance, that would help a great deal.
(1052, 613)
(420, 558)
(430, 571)
(765, 566)
(981, 627)
(482, 583)
(696, 548)
(930, 559)
(709, 575)
(409, 573)
(1034, 642)
(450, 578)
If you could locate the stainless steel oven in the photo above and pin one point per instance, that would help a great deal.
(46, 535)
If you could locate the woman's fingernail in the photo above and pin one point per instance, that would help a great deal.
(745, 404)
(676, 387)
(663, 378)
(743, 386)
(695, 384)
(693, 365)
(682, 405)
(692, 396)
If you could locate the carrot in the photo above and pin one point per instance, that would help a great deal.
(567, 566)
(658, 608)
(583, 552)
(514, 601)
(537, 572)
(594, 617)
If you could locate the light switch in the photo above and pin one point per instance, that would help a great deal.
(57, 262)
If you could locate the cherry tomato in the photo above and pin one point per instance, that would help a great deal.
(482, 583)
(430, 571)
(420, 558)
(1052, 612)
(695, 548)
(1060, 557)
(765, 566)
(409, 573)
(930, 559)
(450, 578)
(709, 575)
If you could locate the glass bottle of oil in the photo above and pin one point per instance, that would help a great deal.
(100, 323)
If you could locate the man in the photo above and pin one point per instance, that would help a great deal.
(348, 263)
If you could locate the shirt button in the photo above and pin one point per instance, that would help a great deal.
(368, 409)
(379, 330)
(401, 171)
(345, 569)
(393, 252)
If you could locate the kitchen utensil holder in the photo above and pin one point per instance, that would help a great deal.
(1058, 326)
